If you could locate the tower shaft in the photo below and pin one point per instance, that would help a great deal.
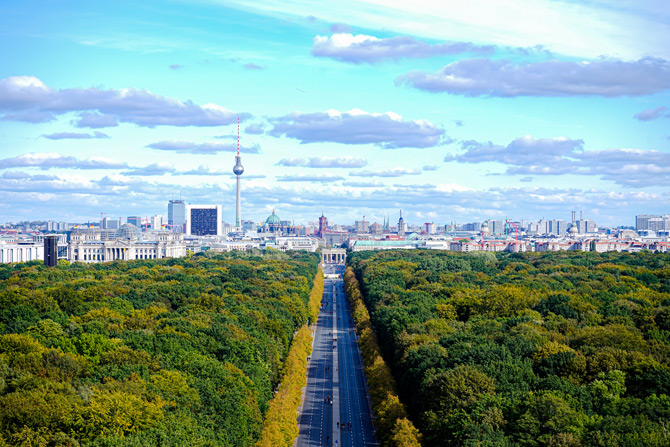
(237, 212)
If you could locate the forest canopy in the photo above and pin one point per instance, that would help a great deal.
(156, 352)
(557, 349)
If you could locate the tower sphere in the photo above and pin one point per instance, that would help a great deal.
(238, 169)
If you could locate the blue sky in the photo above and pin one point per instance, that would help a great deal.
(450, 112)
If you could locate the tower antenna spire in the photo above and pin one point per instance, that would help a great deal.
(238, 169)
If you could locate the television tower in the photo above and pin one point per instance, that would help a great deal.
(238, 169)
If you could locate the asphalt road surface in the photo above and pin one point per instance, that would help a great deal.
(335, 411)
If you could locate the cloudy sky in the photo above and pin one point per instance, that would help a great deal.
(450, 111)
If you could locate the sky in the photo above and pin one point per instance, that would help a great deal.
(450, 111)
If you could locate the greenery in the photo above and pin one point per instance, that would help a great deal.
(146, 353)
(556, 349)
(393, 428)
(281, 423)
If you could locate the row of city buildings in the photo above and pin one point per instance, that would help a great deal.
(201, 229)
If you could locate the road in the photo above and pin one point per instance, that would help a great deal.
(335, 378)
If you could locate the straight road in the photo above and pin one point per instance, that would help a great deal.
(335, 410)
(317, 410)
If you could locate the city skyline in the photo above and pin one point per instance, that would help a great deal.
(448, 113)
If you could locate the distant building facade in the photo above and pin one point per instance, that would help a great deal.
(21, 252)
(323, 225)
(176, 215)
(204, 220)
(87, 246)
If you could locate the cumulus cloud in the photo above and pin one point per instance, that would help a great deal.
(361, 48)
(324, 162)
(323, 178)
(75, 135)
(95, 120)
(203, 170)
(652, 114)
(30, 116)
(20, 175)
(528, 156)
(52, 160)
(159, 168)
(189, 147)
(375, 184)
(526, 151)
(75, 198)
(175, 66)
(430, 168)
(387, 130)
(255, 129)
(29, 97)
(484, 77)
(394, 172)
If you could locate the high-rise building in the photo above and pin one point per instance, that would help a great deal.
(497, 226)
(375, 229)
(323, 225)
(238, 170)
(249, 225)
(135, 220)
(176, 215)
(656, 224)
(642, 221)
(361, 226)
(430, 228)
(558, 227)
(402, 227)
(586, 226)
(203, 220)
(109, 223)
(50, 250)
(157, 222)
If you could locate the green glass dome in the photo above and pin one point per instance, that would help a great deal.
(273, 219)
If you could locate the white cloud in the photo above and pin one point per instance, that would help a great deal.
(324, 162)
(158, 168)
(48, 160)
(74, 136)
(189, 147)
(625, 28)
(484, 77)
(356, 126)
(394, 172)
(361, 48)
(322, 178)
(652, 114)
(633, 168)
(29, 97)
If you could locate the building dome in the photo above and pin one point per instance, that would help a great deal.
(128, 231)
(273, 219)
(485, 227)
(573, 229)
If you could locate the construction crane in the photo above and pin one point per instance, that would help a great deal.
(508, 224)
